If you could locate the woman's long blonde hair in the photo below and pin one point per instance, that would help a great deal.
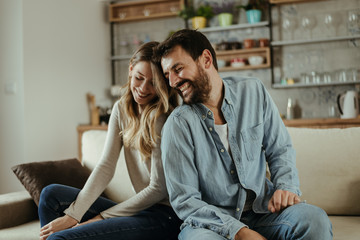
(139, 129)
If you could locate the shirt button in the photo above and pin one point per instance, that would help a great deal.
(228, 236)
(222, 150)
(238, 209)
(232, 171)
(203, 116)
(210, 129)
(209, 113)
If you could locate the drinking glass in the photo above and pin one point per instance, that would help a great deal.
(308, 23)
(333, 20)
(289, 24)
(354, 21)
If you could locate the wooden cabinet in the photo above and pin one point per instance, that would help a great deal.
(142, 10)
(228, 55)
(244, 53)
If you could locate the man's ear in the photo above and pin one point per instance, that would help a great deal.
(207, 58)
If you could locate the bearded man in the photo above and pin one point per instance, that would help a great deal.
(216, 148)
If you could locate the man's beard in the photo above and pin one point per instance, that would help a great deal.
(200, 88)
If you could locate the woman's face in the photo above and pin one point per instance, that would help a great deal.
(141, 84)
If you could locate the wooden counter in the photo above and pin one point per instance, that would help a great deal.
(323, 123)
(83, 128)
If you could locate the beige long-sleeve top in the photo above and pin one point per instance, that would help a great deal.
(147, 177)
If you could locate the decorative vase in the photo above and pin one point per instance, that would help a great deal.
(253, 16)
(225, 19)
(198, 22)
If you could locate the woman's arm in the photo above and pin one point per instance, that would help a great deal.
(150, 195)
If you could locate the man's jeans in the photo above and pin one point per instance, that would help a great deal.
(156, 222)
(301, 221)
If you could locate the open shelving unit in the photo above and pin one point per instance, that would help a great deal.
(302, 42)
(143, 10)
(245, 53)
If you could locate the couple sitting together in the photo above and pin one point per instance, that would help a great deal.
(199, 169)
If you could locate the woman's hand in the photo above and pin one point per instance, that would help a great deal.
(56, 225)
(94, 219)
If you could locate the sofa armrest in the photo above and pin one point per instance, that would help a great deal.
(16, 208)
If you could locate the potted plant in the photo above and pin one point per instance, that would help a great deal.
(253, 10)
(224, 12)
(199, 16)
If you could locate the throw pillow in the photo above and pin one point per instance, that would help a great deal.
(37, 175)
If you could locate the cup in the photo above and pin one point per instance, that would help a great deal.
(326, 77)
(341, 75)
(304, 78)
(263, 42)
(249, 43)
(352, 74)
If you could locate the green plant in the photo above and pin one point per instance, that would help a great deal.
(254, 4)
(188, 12)
(205, 11)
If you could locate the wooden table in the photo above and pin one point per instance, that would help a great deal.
(83, 128)
(323, 123)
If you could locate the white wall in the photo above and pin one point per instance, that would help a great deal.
(66, 52)
(11, 91)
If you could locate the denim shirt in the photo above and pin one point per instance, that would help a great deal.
(207, 187)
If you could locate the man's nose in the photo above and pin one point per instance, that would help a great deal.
(173, 79)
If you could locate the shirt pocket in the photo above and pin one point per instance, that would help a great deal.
(253, 138)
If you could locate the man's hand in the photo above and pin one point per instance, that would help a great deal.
(56, 225)
(248, 234)
(94, 219)
(281, 200)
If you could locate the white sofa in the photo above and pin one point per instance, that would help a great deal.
(329, 167)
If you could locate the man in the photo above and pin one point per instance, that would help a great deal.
(215, 148)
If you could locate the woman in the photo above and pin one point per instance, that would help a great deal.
(135, 125)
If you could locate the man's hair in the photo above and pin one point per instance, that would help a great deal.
(192, 41)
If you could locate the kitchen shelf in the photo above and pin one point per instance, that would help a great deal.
(244, 53)
(144, 10)
(318, 40)
(323, 123)
(303, 85)
(291, 1)
(235, 27)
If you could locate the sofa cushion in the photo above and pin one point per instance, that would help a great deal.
(328, 161)
(345, 227)
(16, 208)
(26, 231)
(37, 175)
(93, 142)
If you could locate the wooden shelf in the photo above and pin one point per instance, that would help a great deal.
(235, 27)
(318, 40)
(303, 85)
(323, 123)
(244, 53)
(144, 10)
(291, 1)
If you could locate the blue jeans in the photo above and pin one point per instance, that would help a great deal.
(301, 221)
(156, 222)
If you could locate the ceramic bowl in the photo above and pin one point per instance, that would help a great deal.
(255, 60)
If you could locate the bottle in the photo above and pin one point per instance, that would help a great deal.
(290, 109)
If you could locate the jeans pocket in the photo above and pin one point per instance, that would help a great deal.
(253, 138)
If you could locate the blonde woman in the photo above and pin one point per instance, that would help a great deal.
(135, 125)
